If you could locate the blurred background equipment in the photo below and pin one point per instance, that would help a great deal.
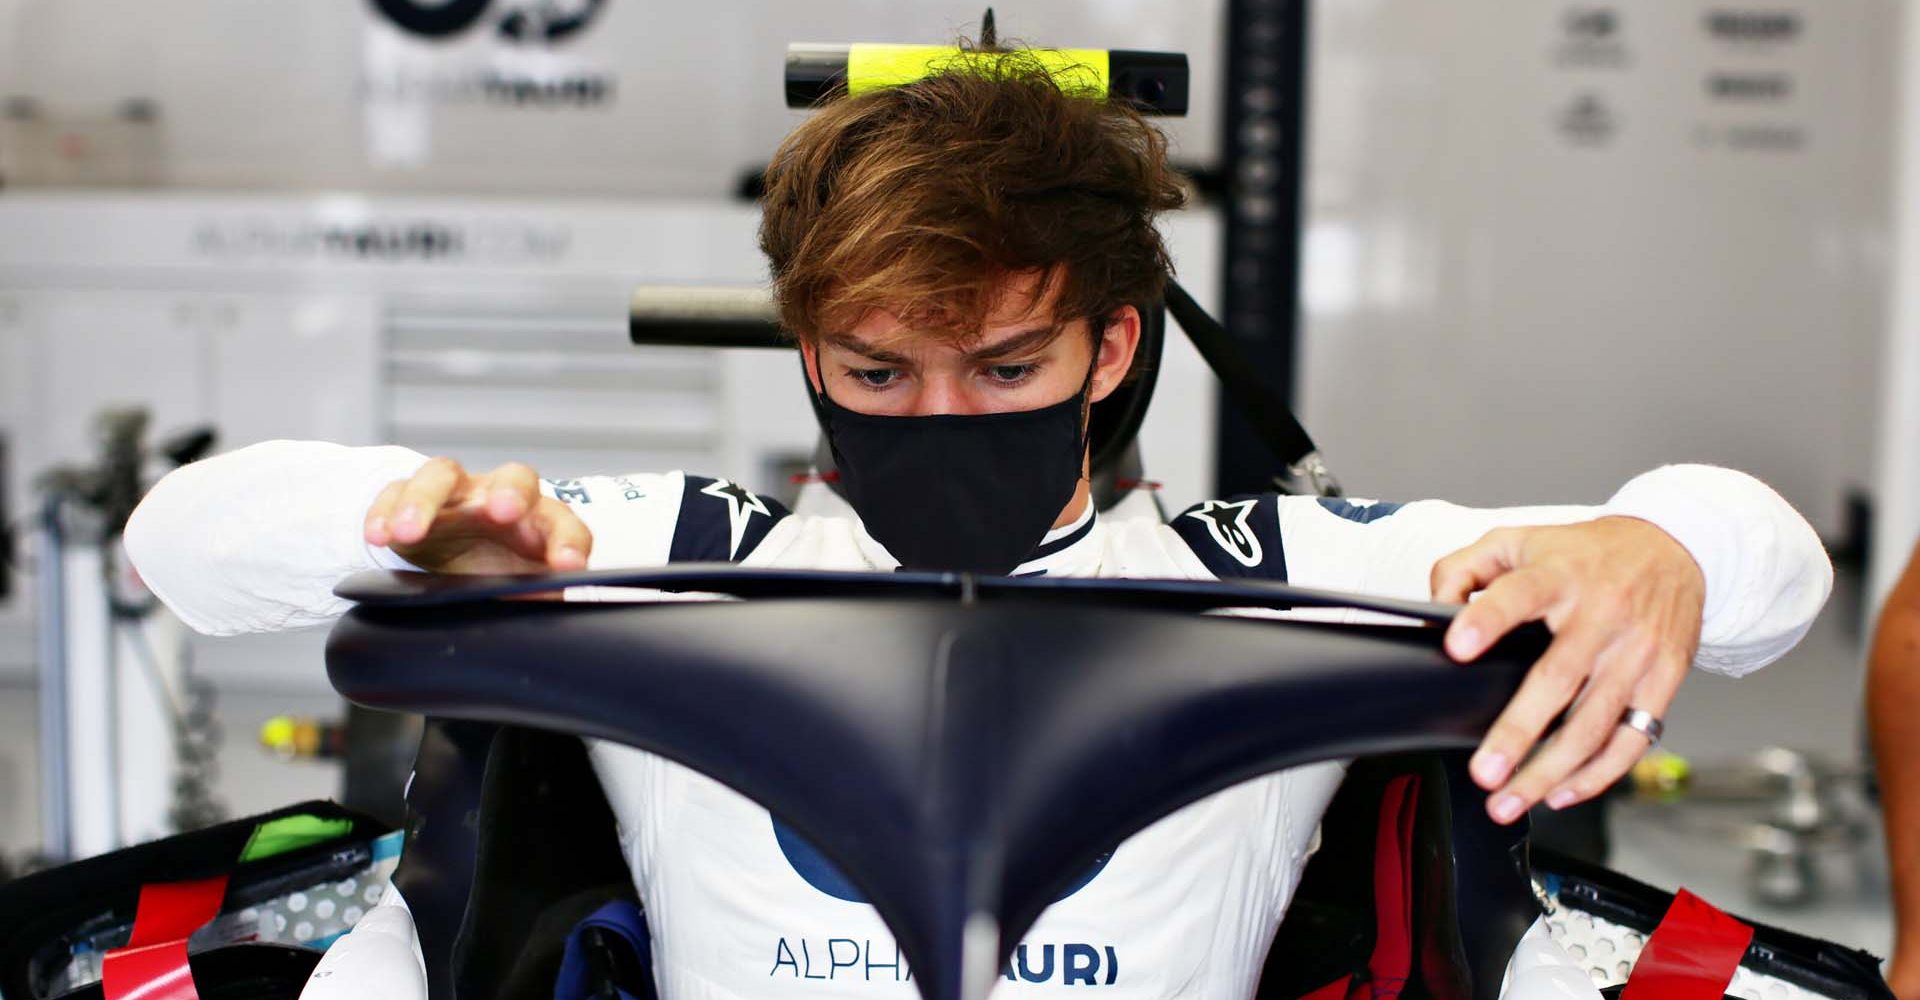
(300, 738)
(97, 146)
(1154, 82)
(127, 732)
(374, 750)
(1784, 809)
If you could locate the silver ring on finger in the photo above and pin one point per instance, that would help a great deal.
(1645, 723)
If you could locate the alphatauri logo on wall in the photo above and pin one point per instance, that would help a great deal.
(525, 21)
(476, 52)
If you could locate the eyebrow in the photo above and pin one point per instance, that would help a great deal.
(866, 350)
(1018, 343)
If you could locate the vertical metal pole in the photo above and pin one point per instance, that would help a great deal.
(1263, 160)
(56, 830)
(92, 700)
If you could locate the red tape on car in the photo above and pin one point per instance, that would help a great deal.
(153, 965)
(1692, 955)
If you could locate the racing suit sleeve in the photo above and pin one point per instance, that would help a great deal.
(256, 539)
(1766, 572)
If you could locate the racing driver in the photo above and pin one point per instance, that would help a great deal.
(962, 262)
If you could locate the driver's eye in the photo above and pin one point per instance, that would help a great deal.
(874, 378)
(1011, 374)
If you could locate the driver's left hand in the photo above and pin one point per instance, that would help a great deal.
(1623, 600)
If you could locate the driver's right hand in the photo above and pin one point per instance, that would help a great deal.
(448, 520)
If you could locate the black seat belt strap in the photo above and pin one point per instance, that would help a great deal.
(1303, 470)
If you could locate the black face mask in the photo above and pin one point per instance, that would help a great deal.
(972, 493)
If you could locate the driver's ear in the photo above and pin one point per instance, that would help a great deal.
(1119, 340)
(810, 357)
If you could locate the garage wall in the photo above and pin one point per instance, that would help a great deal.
(1552, 245)
(1548, 245)
(647, 98)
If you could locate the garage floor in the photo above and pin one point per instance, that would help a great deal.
(1811, 702)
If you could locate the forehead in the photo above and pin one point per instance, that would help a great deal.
(1021, 301)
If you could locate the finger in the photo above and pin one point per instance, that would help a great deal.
(1510, 601)
(1655, 694)
(380, 513)
(1623, 749)
(527, 537)
(568, 540)
(423, 496)
(1546, 691)
(1460, 573)
(512, 491)
(1585, 731)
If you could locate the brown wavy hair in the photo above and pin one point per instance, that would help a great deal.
(920, 199)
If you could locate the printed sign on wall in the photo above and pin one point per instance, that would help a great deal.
(519, 56)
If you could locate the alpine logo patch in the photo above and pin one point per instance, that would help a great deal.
(1226, 521)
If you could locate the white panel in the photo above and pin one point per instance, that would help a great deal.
(555, 385)
(660, 413)
(102, 349)
(17, 321)
(1512, 296)
(294, 367)
(769, 419)
(1176, 442)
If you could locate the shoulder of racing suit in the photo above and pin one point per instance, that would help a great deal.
(1237, 537)
(721, 521)
(1241, 536)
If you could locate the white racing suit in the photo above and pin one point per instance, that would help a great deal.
(739, 908)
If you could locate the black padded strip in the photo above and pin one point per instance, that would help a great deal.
(381, 588)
